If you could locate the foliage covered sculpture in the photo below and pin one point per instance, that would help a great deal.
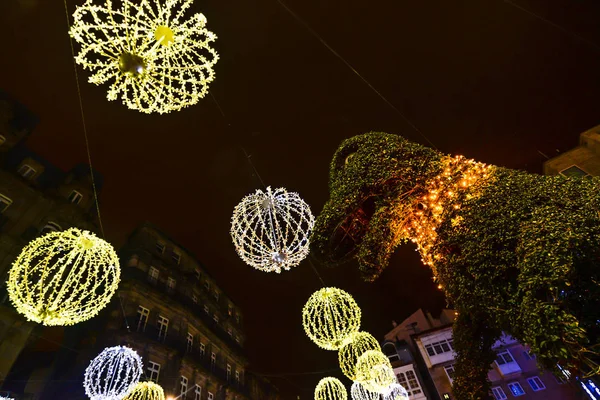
(513, 251)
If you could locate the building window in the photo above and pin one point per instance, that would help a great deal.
(2, 140)
(75, 197)
(202, 349)
(171, 285)
(230, 310)
(213, 360)
(237, 339)
(216, 295)
(498, 393)
(450, 371)
(176, 257)
(163, 326)
(536, 383)
(390, 351)
(504, 358)
(207, 285)
(183, 383)
(211, 396)
(574, 171)
(228, 372)
(198, 274)
(237, 318)
(26, 171)
(142, 319)
(216, 318)
(229, 331)
(195, 299)
(153, 274)
(516, 389)
(50, 227)
(153, 371)
(528, 356)
(160, 247)
(190, 342)
(5, 202)
(206, 310)
(443, 346)
(198, 393)
(237, 377)
(413, 383)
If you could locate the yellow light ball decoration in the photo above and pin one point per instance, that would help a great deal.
(358, 392)
(329, 317)
(155, 58)
(374, 371)
(63, 278)
(146, 391)
(358, 343)
(330, 389)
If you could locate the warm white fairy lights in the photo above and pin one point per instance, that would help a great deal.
(146, 391)
(395, 392)
(270, 230)
(63, 278)
(329, 317)
(6, 398)
(155, 58)
(359, 392)
(374, 371)
(112, 374)
(357, 344)
(330, 389)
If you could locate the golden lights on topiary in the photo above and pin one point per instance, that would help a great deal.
(146, 391)
(374, 371)
(329, 317)
(359, 392)
(63, 278)
(154, 57)
(330, 389)
(358, 343)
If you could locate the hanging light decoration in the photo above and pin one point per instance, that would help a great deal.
(270, 230)
(374, 371)
(330, 389)
(112, 374)
(155, 59)
(395, 392)
(357, 344)
(329, 318)
(146, 391)
(358, 392)
(63, 278)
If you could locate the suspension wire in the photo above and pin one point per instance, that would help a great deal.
(358, 74)
(553, 24)
(316, 272)
(85, 133)
(123, 311)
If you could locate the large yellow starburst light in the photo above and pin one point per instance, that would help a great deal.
(63, 278)
(155, 58)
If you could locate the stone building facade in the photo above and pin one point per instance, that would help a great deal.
(580, 161)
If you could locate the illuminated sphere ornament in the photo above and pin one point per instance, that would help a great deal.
(63, 278)
(154, 57)
(330, 389)
(146, 391)
(395, 392)
(374, 371)
(330, 317)
(358, 392)
(270, 230)
(357, 344)
(112, 374)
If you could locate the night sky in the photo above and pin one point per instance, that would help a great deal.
(481, 78)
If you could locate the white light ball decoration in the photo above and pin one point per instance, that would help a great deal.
(146, 391)
(330, 389)
(374, 371)
(155, 58)
(112, 374)
(63, 278)
(6, 398)
(358, 392)
(358, 343)
(395, 392)
(270, 230)
(330, 317)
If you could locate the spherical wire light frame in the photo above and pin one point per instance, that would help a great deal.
(374, 371)
(146, 391)
(395, 392)
(270, 230)
(63, 278)
(330, 317)
(112, 374)
(155, 57)
(359, 392)
(330, 389)
(357, 344)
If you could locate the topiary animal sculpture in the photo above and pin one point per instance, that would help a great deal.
(514, 252)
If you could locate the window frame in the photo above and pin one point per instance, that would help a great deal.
(29, 172)
(176, 259)
(161, 322)
(5, 202)
(160, 247)
(152, 370)
(516, 384)
(51, 226)
(171, 283)
(499, 388)
(75, 197)
(202, 349)
(210, 396)
(449, 367)
(197, 392)
(152, 277)
(183, 387)
(228, 372)
(189, 342)
(539, 384)
(501, 355)
(143, 313)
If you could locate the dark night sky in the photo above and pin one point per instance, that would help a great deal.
(478, 77)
